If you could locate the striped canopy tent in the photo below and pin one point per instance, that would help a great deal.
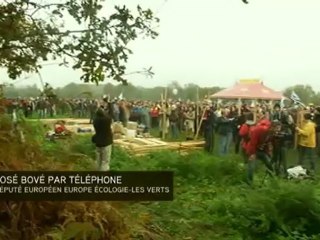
(248, 90)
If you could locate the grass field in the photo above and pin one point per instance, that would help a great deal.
(211, 200)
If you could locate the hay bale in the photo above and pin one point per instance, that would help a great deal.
(132, 125)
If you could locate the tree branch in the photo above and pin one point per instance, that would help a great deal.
(38, 7)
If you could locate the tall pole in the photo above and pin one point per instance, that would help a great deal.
(162, 120)
(197, 111)
(239, 106)
(164, 113)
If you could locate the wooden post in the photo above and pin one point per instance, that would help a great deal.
(239, 106)
(299, 121)
(271, 107)
(164, 114)
(255, 112)
(198, 112)
(201, 120)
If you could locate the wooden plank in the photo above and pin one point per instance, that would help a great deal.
(124, 140)
(152, 148)
(192, 145)
(133, 145)
(144, 142)
(156, 140)
(139, 146)
(164, 148)
(192, 142)
(126, 143)
(141, 142)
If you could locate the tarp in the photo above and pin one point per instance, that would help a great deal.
(248, 90)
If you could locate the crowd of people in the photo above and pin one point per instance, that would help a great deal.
(260, 131)
(267, 134)
(180, 116)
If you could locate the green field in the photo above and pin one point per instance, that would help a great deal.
(211, 200)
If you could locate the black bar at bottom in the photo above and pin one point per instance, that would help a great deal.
(86, 186)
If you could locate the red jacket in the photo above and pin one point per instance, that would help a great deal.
(264, 122)
(154, 112)
(244, 133)
(257, 138)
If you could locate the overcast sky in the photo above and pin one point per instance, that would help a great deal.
(217, 42)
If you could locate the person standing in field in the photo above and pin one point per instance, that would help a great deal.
(281, 137)
(173, 120)
(225, 128)
(154, 113)
(209, 132)
(190, 117)
(307, 141)
(103, 139)
(244, 133)
(259, 147)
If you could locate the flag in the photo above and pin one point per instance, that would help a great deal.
(295, 98)
(282, 105)
(120, 96)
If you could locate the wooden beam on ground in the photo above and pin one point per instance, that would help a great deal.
(139, 146)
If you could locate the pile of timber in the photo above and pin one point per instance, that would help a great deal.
(72, 124)
(142, 146)
(68, 121)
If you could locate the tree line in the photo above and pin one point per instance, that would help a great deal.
(131, 92)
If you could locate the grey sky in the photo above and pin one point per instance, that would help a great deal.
(217, 42)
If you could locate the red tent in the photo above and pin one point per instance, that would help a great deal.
(248, 90)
